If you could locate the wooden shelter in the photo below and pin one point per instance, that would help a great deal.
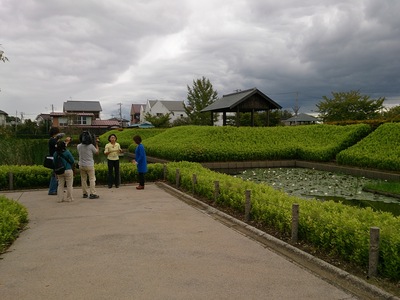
(250, 100)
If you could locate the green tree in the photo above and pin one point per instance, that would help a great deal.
(392, 113)
(158, 121)
(201, 95)
(351, 105)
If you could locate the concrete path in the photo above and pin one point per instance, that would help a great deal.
(147, 244)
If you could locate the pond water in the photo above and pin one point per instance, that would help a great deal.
(322, 185)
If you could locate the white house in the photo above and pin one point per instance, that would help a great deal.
(162, 107)
(3, 116)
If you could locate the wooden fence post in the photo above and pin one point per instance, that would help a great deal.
(295, 222)
(177, 178)
(165, 172)
(216, 190)
(10, 180)
(194, 181)
(247, 207)
(374, 233)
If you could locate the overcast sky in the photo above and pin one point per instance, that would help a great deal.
(123, 52)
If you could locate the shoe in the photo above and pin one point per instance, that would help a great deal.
(84, 196)
(52, 193)
(110, 186)
(117, 186)
(140, 187)
(93, 196)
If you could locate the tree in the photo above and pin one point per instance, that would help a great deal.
(158, 121)
(2, 56)
(200, 96)
(392, 113)
(351, 105)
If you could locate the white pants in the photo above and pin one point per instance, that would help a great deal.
(68, 178)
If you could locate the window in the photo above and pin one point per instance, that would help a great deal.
(63, 121)
(82, 120)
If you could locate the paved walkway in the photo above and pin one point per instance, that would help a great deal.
(147, 244)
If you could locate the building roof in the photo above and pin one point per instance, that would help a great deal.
(107, 123)
(60, 114)
(135, 108)
(173, 105)
(244, 100)
(82, 106)
(302, 118)
(3, 113)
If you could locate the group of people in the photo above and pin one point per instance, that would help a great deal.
(86, 151)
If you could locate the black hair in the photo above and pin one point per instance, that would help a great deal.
(112, 134)
(54, 130)
(61, 147)
(137, 139)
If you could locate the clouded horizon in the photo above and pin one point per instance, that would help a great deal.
(127, 52)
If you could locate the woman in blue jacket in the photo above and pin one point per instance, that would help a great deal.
(68, 176)
(140, 161)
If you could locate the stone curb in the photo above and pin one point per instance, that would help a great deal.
(351, 279)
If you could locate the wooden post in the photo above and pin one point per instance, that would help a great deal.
(295, 222)
(194, 181)
(374, 234)
(247, 206)
(177, 178)
(216, 190)
(10, 180)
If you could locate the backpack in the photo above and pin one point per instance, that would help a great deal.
(59, 167)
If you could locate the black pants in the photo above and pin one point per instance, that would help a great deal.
(113, 172)
(141, 179)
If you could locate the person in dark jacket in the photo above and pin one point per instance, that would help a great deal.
(67, 178)
(55, 136)
(140, 161)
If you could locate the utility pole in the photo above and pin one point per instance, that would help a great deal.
(120, 114)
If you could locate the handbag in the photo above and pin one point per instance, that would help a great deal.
(48, 162)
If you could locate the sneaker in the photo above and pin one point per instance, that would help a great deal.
(93, 196)
(52, 193)
(140, 187)
(84, 196)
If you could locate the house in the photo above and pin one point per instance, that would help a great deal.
(162, 107)
(301, 119)
(3, 117)
(123, 122)
(250, 100)
(136, 112)
(82, 115)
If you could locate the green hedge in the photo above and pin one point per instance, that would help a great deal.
(379, 150)
(210, 144)
(13, 217)
(32, 177)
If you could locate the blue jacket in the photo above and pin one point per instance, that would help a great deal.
(140, 157)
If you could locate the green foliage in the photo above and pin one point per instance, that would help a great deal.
(33, 177)
(22, 151)
(340, 230)
(13, 217)
(206, 144)
(162, 121)
(125, 136)
(201, 95)
(379, 150)
(349, 106)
